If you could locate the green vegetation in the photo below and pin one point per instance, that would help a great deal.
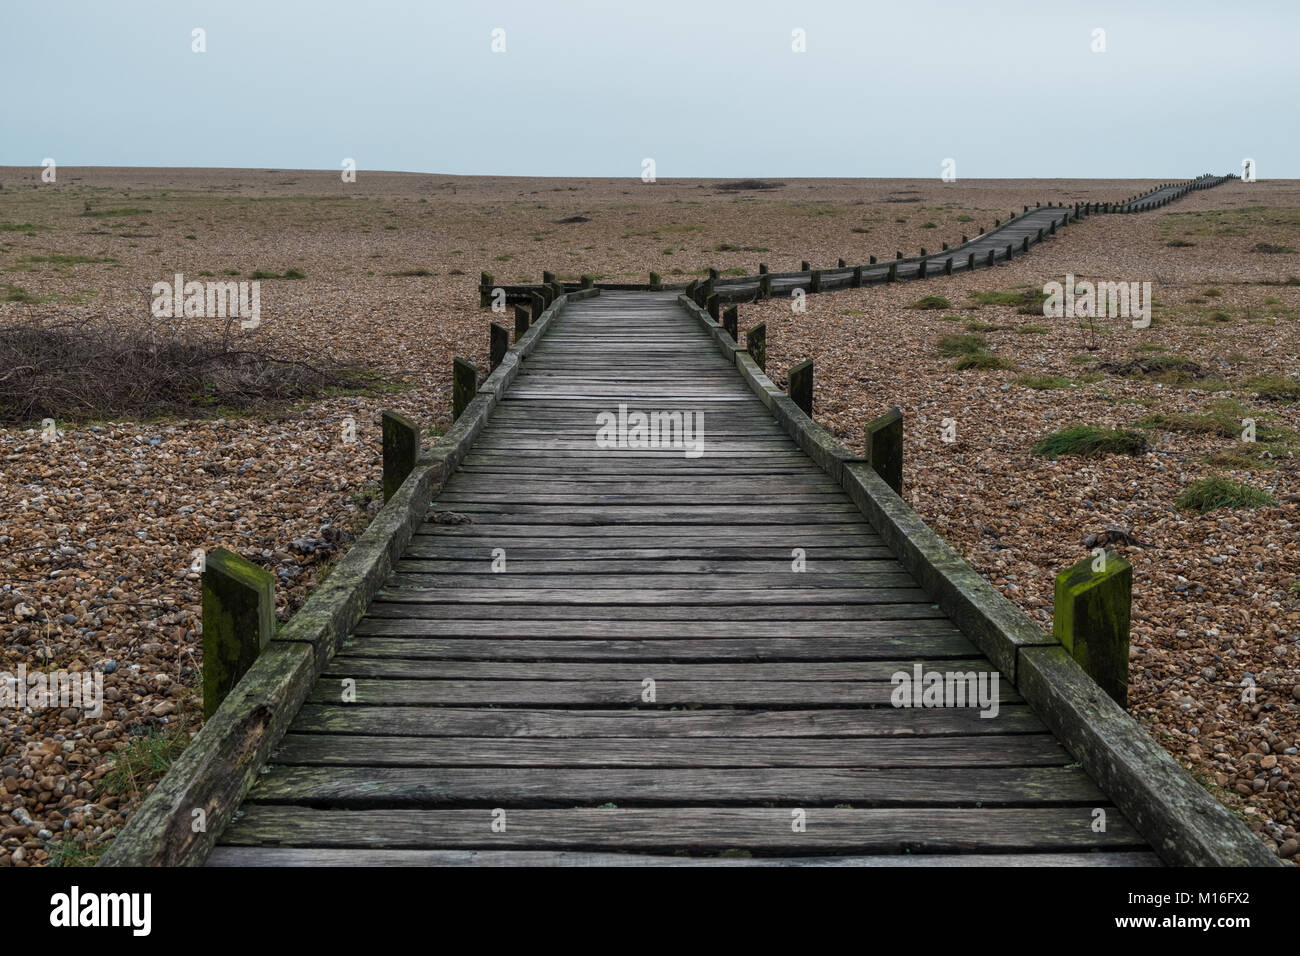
(1271, 249)
(965, 218)
(287, 274)
(932, 302)
(974, 325)
(1209, 494)
(981, 360)
(14, 293)
(728, 247)
(1026, 300)
(928, 225)
(410, 273)
(1180, 244)
(954, 345)
(1030, 330)
(1041, 382)
(22, 227)
(1274, 387)
(1166, 369)
(1089, 441)
(63, 260)
(143, 761)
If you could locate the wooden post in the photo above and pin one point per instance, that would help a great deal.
(691, 287)
(1091, 619)
(656, 283)
(815, 281)
(537, 302)
(547, 277)
(800, 388)
(923, 252)
(521, 322)
(464, 385)
(991, 258)
(548, 295)
(1008, 252)
(484, 290)
(898, 255)
(762, 268)
(498, 343)
(238, 622)
(588, 282)
(947, 266)
(970, 262)
(884, 442)
(921, 269)
(401, 448)
(842, 264)
(557, 289)
(711, 305)
(731, 322)
(756, 344)
(804, 267)
(713, 273)
(893, 272)
(856, 281)
(871, 261)
(1024, 244)
(765, 285)
(945, 247)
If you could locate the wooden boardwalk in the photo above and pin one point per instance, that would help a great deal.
(649, 679)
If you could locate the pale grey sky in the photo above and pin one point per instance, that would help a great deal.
(1007, 89)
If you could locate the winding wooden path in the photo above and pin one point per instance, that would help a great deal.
(509, 716)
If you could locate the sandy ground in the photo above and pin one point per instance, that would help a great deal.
(97, 528)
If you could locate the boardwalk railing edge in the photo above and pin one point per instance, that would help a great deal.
(180, 821)
(1185, 825)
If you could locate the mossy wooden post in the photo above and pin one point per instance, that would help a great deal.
(401, 448)
(711, 306)
(484, 290)
(238, 622)
(713, 273)
(498, 343)
(804, 266)
(656, 283)
(885, 447)
(690, 288)
(536, 302)
(856, 281)
(815, 281)
(898, 255)
(970, 262)
(990, 258)
(464, 385)
(547, 277)
(842, 264)
(703, 292)
(921, 269)
(871, 260)
(800, 388)
(588, 282)
(756, 344)
(893, 272)
(731, 322)
(1091, 620)
(765, 285)
(548, 295)
(521, 322)
(557, 289)
(762, 268)
(947, 266)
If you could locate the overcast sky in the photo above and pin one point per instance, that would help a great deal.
(703, 87)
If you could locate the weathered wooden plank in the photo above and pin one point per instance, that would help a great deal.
(355, 664)
(946, 644)
(412, 573)
(406, 588)
(613, 693)
(358, 856)
(827, 828)
(861, 788)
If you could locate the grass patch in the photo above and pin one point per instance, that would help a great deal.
(928, 225)
(950, 346)
(1210, 494)
(1180, 244)
(1030, 330)
(728, 247)
(1088, 441)
(22, 227)
(1027, 301)
(63, 260)
(1271, 248)
(1041, 382)
(1275, 387)
(1166, 369)
(965, 218)
(15, 293)
(980, 360)
(974, 325)
(143, 761)
(410, 273)
(287, 274)
(932, 302)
